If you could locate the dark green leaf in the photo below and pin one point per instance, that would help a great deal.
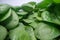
(44, 4)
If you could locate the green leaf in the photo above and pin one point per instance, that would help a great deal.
(31, 18)
(4, 12)
(4, 17)
(38, 15)
(19, 33)
(57, 11)
(46, 16)
(28, 20)
(4, 8)
(45, 31)
(16, 8)
(20, 17)
(22, 13)
(49, 17)
(56, 1)
(3, 32)
(32, 3)
(30, 32)
(28, 6)
(12, 21)
(44, 4)
(33, 24)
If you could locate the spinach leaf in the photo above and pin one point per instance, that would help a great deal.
(19, 33)
(30, 32)
(50, 17)
(22, 13)
(3, 32)
(4, 12)
(46, 31)
(16, 8)
(4, 8)
(28, 6)
(12, 21)
(44, 4)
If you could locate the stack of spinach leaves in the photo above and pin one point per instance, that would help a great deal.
(30, 21)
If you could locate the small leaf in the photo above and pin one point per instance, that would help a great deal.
(22, 13)
(31, 18)
(33, 24)
(16, 8)
(28, 20)
(30, 32)
(28, 6)
(44, 4)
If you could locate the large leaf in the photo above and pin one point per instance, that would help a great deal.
(4, 11)
(19, 33)
(49, 17)
(46, 31)
(3, 32)
(12, 21)
(4, 8)
(5, 16)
